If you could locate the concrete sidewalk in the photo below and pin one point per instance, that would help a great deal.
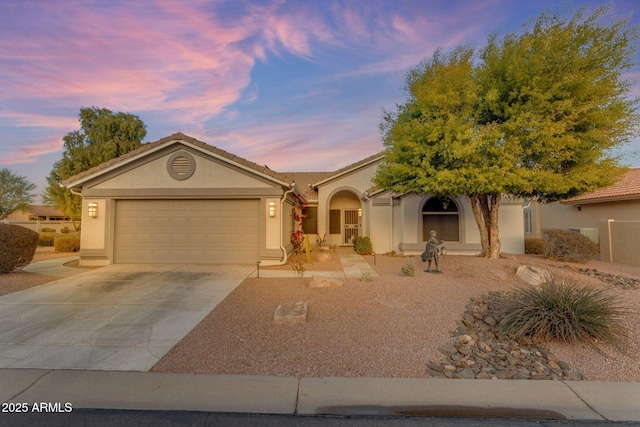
(55, 267)
(595, 401)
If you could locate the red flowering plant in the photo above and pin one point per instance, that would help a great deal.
(297, 235)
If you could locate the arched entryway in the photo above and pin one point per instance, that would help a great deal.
(345, 217)
(442, 215)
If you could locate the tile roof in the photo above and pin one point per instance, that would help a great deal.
(626, 188)
(303, 180)
(41, 210)
(350, 167)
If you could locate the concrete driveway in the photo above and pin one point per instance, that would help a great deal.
(119, 317)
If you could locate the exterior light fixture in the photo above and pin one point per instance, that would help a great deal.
(93, 210)
(272, 209)
(360, 212)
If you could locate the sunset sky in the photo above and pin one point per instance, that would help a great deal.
(296, 85)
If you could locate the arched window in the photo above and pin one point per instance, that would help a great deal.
(441, 215)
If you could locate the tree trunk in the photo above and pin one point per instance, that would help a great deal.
(485, 211)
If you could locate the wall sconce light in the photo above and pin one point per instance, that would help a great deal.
(360, 212)
(93, 210)
(272, 209)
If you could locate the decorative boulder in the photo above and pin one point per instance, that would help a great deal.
(534, 276)
(324, 282)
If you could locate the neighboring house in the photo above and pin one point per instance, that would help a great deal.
(179, 200)
(37, 217)
(37, 213)
(620, 202)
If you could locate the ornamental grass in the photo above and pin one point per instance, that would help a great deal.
(565, 312)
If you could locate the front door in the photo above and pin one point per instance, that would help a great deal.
(351, 224)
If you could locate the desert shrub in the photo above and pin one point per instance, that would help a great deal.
(46, 239)
(362, 245)
(297, 265)
(67, 243)
(564, 312)
(567, 245)
(365, 277)
(408, 268)
(64, 230)
(17, 246)
(48, 230)
(533, 245)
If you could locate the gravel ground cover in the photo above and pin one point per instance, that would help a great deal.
(19, 279)
(391, 326)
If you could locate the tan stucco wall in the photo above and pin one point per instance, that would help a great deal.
(411, 221)
(381, 228)
(511, 226)
(18, 215)
(93, 229)
(557, 215)
(154, 174)
(329, 197)
(619, 241)
(273, 225)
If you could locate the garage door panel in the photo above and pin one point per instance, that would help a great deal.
(187, 231)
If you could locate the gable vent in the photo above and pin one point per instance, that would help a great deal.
(181, 165)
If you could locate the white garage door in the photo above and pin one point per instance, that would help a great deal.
(187, 231)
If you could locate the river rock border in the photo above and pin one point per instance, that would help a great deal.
(477, 351)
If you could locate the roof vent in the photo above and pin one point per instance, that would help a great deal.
(181, 165)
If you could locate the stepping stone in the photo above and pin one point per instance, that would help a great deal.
(324, 282)
(291, 313)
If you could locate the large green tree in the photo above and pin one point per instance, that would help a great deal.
(103, 135)
(536, 115)
(15, 192)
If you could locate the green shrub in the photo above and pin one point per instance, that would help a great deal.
(17, 246)
(48, 230)
(365, 277)
(564, 312)
(408, 268)
(567, 245)
(46, 239)
(64, 230)
(362, 245)
(533, 245)
(67, 243)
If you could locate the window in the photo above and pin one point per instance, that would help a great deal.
(528, 228)
(310, 220)
(334, 221)
(441, 215)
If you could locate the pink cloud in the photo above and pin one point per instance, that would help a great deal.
(30, 153)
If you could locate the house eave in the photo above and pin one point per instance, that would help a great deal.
(77, 184)
(349, 170)
(624, 198)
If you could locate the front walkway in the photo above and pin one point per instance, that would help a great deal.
(353, 265)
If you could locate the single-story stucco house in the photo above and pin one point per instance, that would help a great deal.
(180, 200)
(620, 202)
(40, 217)
(37, 213)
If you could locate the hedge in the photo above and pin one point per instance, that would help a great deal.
(17, 246)
(67, 243)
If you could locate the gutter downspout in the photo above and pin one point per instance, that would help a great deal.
(368, 199)
(285, 255)
(391, 227)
